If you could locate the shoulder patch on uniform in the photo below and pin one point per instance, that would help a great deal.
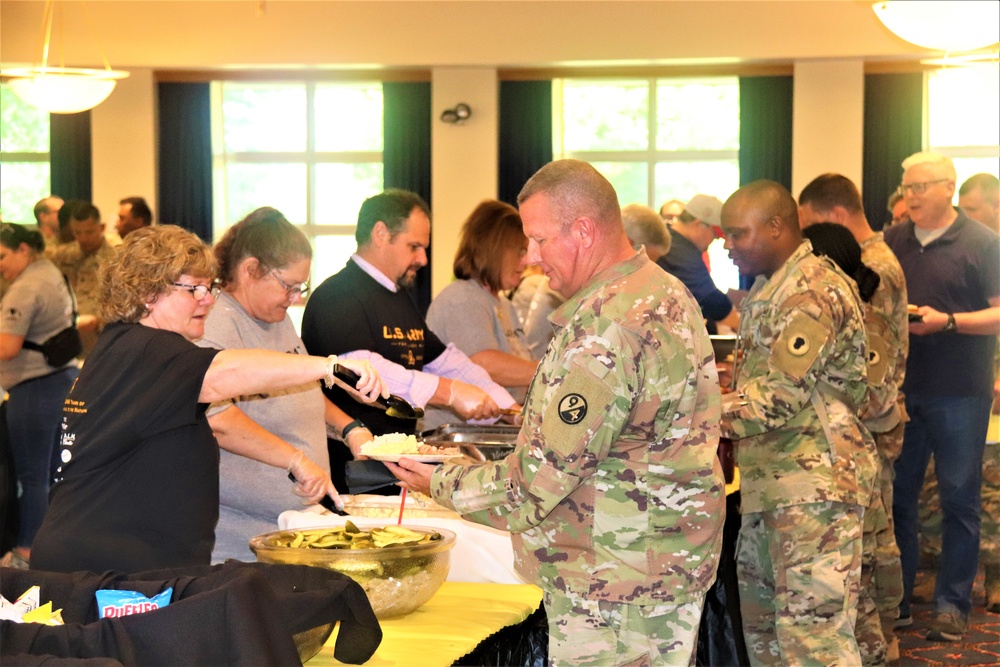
(879, 352)
(799, 344)
(572, 408)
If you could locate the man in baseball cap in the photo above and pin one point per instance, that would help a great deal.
(690, 235)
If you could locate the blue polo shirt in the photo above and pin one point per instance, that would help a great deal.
(956, 273)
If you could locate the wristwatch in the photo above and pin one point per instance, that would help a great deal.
(950, 326)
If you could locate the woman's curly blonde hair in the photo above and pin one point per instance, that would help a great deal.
(146, 265)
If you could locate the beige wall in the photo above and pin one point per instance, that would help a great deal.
(463, 47)
(827, 120)
(124, 145)
(464, 164)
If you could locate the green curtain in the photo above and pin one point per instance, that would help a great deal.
(406, 154)
(184, 189)
(525, 134)
(765, 133)
(766, 129)
(893, 131)
(70, 163)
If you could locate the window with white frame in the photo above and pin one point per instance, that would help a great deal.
(311, 149)
(24, 157)
(963, 118)
(656, 140)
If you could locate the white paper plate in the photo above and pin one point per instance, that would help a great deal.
(423, 458)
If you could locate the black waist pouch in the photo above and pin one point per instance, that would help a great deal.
(61, 348)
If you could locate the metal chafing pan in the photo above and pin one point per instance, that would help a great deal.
(479, 442)
(723, 346)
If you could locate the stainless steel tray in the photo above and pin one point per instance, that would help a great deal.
(479, 442)
(488, 434)
(723, 346)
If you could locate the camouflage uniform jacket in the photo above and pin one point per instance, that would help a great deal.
(613, 491)
(800, 381)
(82, 272)
(888, 337)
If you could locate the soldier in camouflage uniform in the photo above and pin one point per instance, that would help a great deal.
(614, 495)
(834, 198)
(80, 262)
(807, 465)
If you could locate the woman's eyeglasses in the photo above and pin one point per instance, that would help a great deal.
(291, 290)
(199, 292)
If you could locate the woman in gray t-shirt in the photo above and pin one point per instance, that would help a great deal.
(36, 306)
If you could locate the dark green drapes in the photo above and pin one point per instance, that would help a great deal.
(765, 133)
(406, 119)
(406, 153)
(893, 131)
(184, 191)
(70, 168)
(525, 134)
(766, 129)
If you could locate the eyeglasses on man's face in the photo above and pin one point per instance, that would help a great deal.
(291, 290)
(199, 292)
(921, 187)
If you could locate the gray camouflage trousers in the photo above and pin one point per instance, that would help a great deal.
(881, 571)
(799, 571)
(592, 633)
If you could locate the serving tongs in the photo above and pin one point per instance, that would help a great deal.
(394, 406)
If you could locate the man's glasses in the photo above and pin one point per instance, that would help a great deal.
(921, 188)
(199, 292)
(670, 217)
(291, 290)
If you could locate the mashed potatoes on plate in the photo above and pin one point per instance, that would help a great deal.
(399, 444)
(391, 443)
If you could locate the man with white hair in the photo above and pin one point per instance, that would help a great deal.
(646, 229)
(952, 269)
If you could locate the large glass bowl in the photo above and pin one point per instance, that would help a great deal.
(397, 579)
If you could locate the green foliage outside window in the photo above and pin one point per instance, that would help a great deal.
(313, 150)
(24, 157)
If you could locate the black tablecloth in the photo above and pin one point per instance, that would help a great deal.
(232, 614)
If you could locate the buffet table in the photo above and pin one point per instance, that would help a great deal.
(449, 626)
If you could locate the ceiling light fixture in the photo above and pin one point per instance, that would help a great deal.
(942, 25)
(62, 89)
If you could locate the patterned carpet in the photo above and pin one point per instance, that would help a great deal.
(981, 645)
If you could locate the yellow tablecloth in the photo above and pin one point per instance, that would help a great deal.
(450, 625)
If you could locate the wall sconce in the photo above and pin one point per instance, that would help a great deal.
(456, 115)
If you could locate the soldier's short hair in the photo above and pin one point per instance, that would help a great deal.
(85, 211)
(574, 188)
(829, 190)
(988, 183)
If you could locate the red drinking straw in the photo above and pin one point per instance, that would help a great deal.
(401, 504)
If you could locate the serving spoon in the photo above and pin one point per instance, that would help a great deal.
(394, 406)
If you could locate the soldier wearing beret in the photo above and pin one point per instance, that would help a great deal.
(614, 496)
(807, 465)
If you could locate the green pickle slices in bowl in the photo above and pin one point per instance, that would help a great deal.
(399, 567)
